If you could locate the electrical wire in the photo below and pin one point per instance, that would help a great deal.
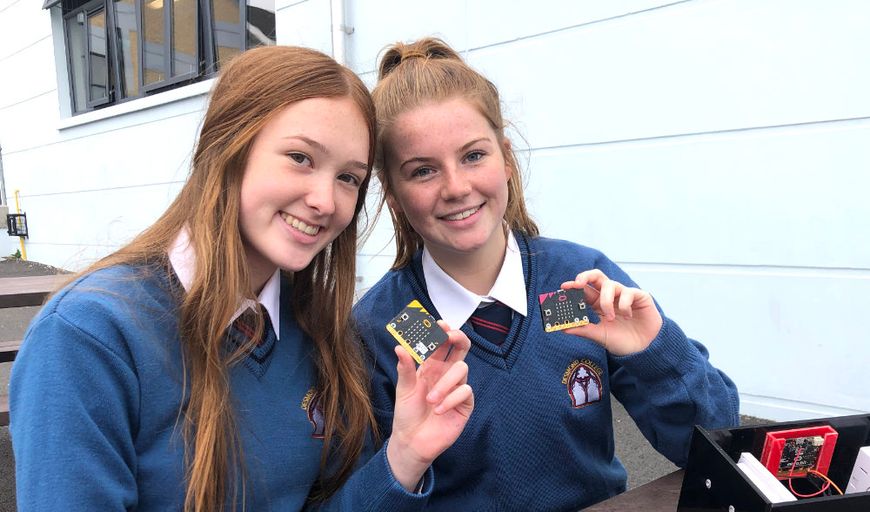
(797, 456)
(813, 495)
(818, 474)
(826, 479)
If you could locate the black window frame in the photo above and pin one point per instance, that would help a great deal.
(205, 58)
(169, 47)
(118, 54)
(109, 93)
(85, 10)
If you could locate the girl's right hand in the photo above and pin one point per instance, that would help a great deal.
(628, 314)
(433, 404)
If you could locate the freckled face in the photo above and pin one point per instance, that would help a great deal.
(450, 178)
(301, 183)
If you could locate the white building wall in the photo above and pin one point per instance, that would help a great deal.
(87, 183)
(18, 87)
(717, 149)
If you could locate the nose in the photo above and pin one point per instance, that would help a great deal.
(455, 184)
(321, 194)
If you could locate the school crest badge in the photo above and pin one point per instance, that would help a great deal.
(582, 379)
(311, 406)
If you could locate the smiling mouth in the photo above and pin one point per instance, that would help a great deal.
(299, 225)
(463, 214)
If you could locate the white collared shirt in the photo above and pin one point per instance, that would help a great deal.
(183, 260)
(456, 304)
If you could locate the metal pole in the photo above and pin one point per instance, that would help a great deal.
(20, 238)
(340, 31)
(2, 180)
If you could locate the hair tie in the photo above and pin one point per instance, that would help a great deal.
(414, 53)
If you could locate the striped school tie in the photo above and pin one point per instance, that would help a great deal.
(492, 321)
(243, 328)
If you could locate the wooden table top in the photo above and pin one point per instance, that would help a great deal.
(660, 495)
(18, 292)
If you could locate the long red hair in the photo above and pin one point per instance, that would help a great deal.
(250, 90)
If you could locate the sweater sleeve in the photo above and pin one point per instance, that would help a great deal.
(670, 387)
(373, 485)
(74, 405)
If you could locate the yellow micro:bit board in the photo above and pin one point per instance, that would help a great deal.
(416, 330)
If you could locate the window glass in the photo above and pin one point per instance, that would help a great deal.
(153, 28)
(98, 71)
(155, 44)
(261, 23)
(128, 35)
(75, 38)
(184, 38)
(227, 29)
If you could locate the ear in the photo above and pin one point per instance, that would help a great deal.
(508, 157)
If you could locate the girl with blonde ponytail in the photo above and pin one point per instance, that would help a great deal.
(210, 365)
(468, 251)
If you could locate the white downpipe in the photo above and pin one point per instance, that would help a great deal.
(339, 30)
(2, 184)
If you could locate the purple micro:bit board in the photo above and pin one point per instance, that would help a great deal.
(563, 309)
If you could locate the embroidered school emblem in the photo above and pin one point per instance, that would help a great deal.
(311, 406)
(583, 381)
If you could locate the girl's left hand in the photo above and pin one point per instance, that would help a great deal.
(433, 404)
(629, 317)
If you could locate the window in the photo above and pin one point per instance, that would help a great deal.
(123, 49)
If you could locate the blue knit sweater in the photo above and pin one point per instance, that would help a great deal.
(95, 395)
(540, 436)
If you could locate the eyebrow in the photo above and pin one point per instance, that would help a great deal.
(323, 149)
(473, 142)
(423, 159)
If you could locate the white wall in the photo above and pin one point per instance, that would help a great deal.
(15, 49)
(717, 149)
(87, 183)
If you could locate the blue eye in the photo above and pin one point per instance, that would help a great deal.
(422, 172)
(475, 156)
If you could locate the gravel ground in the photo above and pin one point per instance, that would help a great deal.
(13, 267)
